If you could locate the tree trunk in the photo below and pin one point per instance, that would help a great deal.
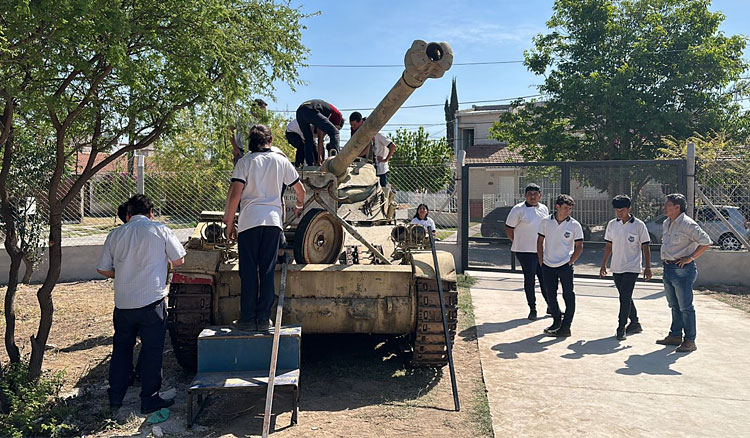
(29, 265)
(44, 294)
(10, 308)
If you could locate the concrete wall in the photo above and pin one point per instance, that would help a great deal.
(79, 263)
(716, 267)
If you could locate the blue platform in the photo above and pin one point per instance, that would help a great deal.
(235, 359)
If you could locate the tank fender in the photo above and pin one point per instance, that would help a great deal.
(190, 278)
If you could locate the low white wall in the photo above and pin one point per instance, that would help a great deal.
(78, 263)
(716, 267)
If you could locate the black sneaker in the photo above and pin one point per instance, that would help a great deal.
(562, 332)
(154, 404)
(633, 328)
(552, 329)
(532, 314)
(245, 325)
(549, 311)
(620, 335)
(264, 325)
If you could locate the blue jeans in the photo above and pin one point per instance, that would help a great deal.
(678, 286)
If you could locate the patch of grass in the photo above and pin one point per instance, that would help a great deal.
(465, 280)
(444, 234)
(480, 410)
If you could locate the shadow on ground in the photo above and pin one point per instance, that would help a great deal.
(597, 347)
(534, 344)
(655, 363)
(492, 327)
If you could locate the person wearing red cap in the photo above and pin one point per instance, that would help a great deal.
(326, 118)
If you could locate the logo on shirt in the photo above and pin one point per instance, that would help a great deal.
(567, 234)
(631, 239)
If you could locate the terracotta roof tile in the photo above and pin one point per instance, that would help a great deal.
(491, 153)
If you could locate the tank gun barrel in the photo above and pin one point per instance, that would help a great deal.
(422, 61)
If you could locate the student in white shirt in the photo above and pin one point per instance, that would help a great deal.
(421, 218)
(626, 238)
(257, 182)
(521, 227)
(382, 148)
(559, 245)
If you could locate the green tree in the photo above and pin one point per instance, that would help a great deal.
(619, 75)
(450, 114)
(96, 71)
(420, 163)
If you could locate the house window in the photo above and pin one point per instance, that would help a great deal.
(468, 138)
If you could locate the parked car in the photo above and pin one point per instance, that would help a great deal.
(720, 234)
(493, 225)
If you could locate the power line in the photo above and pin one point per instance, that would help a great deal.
(429, 104)
(402, 65)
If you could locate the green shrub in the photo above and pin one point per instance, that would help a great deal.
(31, 408)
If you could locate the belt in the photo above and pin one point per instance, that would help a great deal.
(673, 262)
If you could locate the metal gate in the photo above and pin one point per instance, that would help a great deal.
(489, 190)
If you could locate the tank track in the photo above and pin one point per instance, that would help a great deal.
(189, 312)
(429, 349)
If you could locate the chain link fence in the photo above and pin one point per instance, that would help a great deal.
(726, 184)
(179, 197)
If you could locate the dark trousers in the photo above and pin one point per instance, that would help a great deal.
(530, 266)
(383, 179)
(258, 248)
(551, 276)
(299, 145)
(150, 323)
(306, 116)
(625, 283)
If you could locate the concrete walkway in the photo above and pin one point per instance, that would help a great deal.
(593, 385)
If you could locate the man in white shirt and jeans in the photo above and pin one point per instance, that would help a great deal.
(626, 237)
(559, 245)
(257, 183)
(683, 241)
(521, 227)
(137, 256)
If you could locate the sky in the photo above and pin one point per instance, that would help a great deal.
(366, 33)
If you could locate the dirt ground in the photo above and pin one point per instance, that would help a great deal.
(736, 296)
(350, 385)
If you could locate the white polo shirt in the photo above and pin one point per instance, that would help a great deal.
(427, 222)
(524, 219)
(626, 239)
(559, 239)
(381, 143)
(138, 252)
(263, 174)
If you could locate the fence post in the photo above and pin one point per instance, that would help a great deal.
(565, 178)
(690, 179)
(462, 190)
(139, 184)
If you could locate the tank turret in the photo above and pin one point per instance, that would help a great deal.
(345, 191)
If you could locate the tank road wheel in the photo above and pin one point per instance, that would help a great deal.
(189, 312)
(318, 239)
(429, 349)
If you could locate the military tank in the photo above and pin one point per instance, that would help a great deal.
(387, 287)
